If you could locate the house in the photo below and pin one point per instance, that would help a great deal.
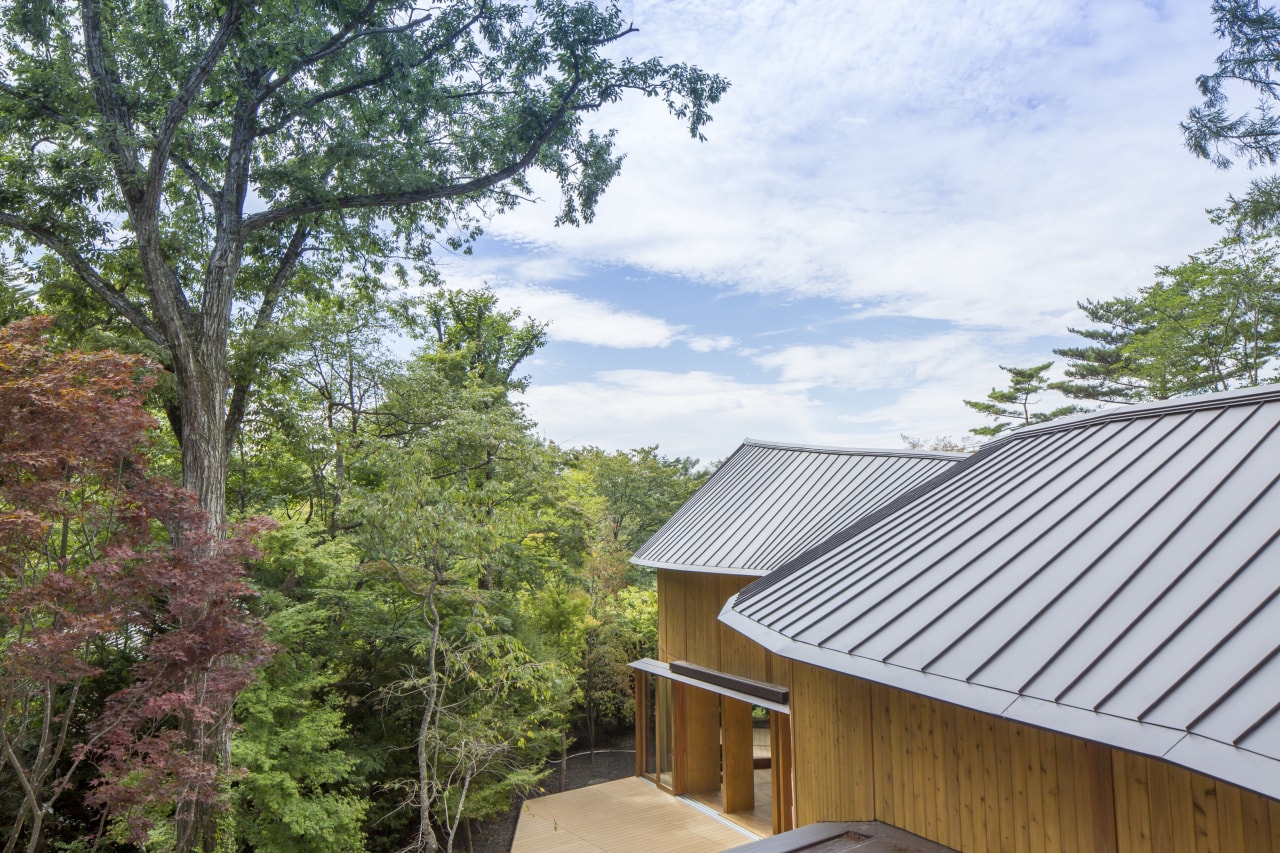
(765, 505)
(1068, 641)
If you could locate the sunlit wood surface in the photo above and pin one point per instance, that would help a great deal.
(759, 820)
(624, 816)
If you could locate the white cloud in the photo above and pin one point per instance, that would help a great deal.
(695, 413)
(576, 319)
(983, 163)
(885, 364)
(978, 167)
(707, 415)
(710, 343)
(588, 321)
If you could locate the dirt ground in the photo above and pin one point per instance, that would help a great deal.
(614, 759)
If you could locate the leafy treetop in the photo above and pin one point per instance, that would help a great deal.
(1012, 406)
(190, 163)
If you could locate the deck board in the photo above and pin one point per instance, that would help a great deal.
(622, 816)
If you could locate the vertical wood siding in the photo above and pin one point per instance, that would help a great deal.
(831, 738)
(688, 628)
(979, 783)
(974, 782)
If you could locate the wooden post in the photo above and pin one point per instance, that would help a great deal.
(739, 764)
(780, 771)
(641, 681)
(697, 753)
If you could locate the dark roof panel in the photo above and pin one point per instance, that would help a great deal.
(768, 503)
(1118, 573)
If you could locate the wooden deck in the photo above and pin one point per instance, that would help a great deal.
(758, 821)
(624, 816)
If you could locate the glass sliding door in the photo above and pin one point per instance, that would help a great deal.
(665, 740)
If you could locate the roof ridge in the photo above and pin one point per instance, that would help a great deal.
(853, 451)
(1152, 408)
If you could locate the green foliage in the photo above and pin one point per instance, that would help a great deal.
(443, 524)
(627, 631)
(290, 742)
(304, 434)
(640, 488)
(1252, 32)
(1251, 61)
(1012, 407)
(197, 167)
(15, 298)
(561, 619)
(473, 338)
(1209, 324)
(446, 593)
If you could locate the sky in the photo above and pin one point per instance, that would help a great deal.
(894, 199)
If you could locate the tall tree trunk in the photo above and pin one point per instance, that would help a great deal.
(202, 392)
(203, 381)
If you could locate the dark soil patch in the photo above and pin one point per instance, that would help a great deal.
(614, 759)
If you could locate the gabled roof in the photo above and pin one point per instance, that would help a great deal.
(1113, 576)
(769, 502)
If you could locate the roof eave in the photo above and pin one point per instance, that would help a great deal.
(1229, 763)
(710, 570)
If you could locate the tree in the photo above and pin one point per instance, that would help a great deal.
(1011, 407)
(1105, 370)
(295, 795)
(187, 163)
(1251, 60)
(112, 631)
(939, 443)
(336, 361)
(452, 497)
(627, 631)
(1209, 324)
(641, 489)
(480, 340)
(15, 301)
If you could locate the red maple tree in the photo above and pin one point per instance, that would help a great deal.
(123, 632)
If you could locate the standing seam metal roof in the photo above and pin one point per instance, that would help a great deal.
(769, 502)
(1114, 576)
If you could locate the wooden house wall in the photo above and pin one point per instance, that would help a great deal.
(978, 783)
(971, 781)
(689, 630)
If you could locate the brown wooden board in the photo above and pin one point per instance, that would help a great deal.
(739, 774)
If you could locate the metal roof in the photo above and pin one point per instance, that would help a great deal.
(769, 502)
(1113, 576)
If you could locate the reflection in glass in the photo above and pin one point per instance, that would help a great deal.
(666, 734)
(650, 727)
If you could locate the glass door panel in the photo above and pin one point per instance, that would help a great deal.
(665, 740)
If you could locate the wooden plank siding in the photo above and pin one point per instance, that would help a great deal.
(968, 780)
(978, 783)
(831, 770)
(689, 630)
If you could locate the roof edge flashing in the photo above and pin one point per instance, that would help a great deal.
(1153, 408)
(1231, 764)
(905, 453)
(709, 570)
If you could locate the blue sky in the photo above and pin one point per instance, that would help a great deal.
(894, 199)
